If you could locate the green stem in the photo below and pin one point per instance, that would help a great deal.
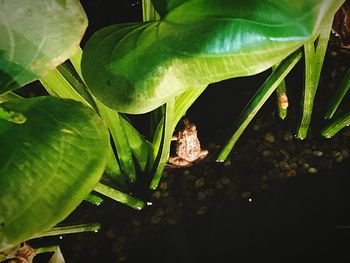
(94, 199)
(120, 140)
(9, 96)
(148, 11)
(49, 249)
(164, 149)
(336, 125)
(313, 66)
(119, 196)
(339, 95)
(63, 230)
(258, 100)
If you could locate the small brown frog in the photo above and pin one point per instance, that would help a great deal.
(188, 148)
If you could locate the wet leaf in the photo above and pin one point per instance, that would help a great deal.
(48, 164)
(137, 67)
(37, 36)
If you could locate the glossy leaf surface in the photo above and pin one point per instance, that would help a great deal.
(35, 37)
(48, 164)
(135, 68)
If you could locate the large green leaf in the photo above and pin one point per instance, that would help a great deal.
(35, 37)
(135, 68)
(48, 163)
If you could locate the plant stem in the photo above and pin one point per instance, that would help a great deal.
(313, 66)
(336, 125)
(339, 95)
(119, 196)
(94, 199)
(148, 11)
(63, 230)
(49, 249)
(164, 149)
(258, 100)
(120, 140)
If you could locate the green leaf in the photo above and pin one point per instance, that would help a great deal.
(135, 68)
(48, 164)
(37, 36)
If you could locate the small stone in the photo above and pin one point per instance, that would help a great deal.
(159, 212)
(225, 180)
(163, 185)
(346, 132)
(165, 194)
(312, 170)
(219, 185)
(155, 220)
(269, 137)
(186, 172)
(266, 153)
(201, 196)
(256, 127)
(202, 210)
(199, 182)
(345, 153)
(284, 154)
(293, 165)
(287, 136)
(337, 156)
(317, 153)
(291, 173)
(264, 178)
(227, 163)
(306, 166)
(246, 195)
(156, 194)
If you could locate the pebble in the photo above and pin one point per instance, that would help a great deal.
(306, 166)
(337, 156)
(202, 210)
(225, 180)
(246, 195)
(312, 170)
(291, 173)
(201, 196)
(219, 185)
(287, 136)
(269, 137)
(256, 127)
(159, 212)
(155, 220)
(317, 153)
(345, 153)
(227, 162)
(199, 182)
(264, 178)
(156, 194)
(266, 153)
(163, 185)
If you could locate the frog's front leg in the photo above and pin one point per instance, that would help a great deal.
(203, 153)
(178, 161)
